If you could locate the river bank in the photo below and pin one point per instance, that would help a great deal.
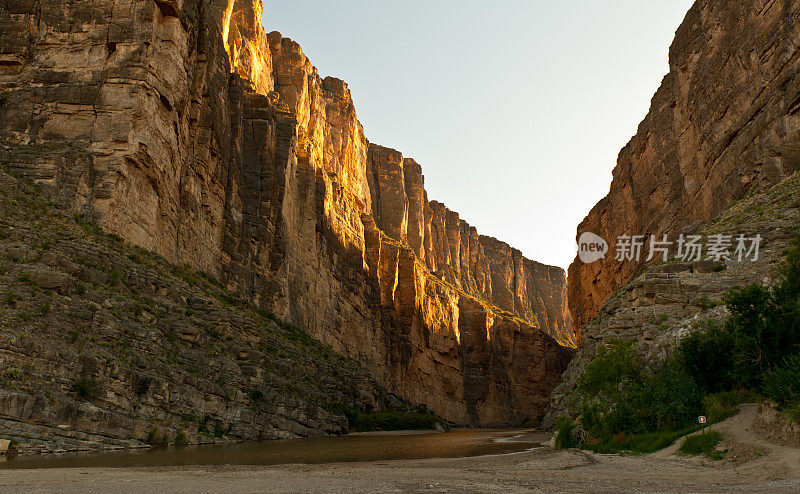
(753, 464)
(538, 471)
(356, 447)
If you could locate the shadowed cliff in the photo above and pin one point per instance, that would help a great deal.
(724, 121)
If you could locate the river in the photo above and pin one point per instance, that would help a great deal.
(350, 448)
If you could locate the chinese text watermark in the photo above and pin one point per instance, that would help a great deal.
(686, 248)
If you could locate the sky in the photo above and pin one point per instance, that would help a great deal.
(516, 109)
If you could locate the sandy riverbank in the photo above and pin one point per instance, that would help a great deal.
(773, 469)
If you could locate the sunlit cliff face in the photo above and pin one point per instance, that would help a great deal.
(330, 140)
(246, 43)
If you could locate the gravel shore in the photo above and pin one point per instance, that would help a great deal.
(774, 469)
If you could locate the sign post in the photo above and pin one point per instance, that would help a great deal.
(702, 420)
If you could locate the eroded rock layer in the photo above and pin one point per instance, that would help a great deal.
(724, 120)
(185, 128)
(672, 300)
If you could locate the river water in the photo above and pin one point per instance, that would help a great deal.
(351, 448)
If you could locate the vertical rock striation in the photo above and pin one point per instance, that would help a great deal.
(724, 120)
(185, 128)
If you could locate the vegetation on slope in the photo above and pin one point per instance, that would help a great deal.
(159, 351)
(627, 407)
(758, 347)
(702, 444)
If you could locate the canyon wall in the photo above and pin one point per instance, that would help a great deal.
(724, 120)
(185, 128)
(669, 301)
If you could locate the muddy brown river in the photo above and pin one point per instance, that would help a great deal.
(351, 448)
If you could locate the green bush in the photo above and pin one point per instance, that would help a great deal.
(700, 444)
(707, 355)
(766, 321)
(87, 387)
(720, 406)
(181, 439)
(793, 412)
(669, 399)
(114, 277)
(761, 333)
(620, 396)
(783, 384)
(638, 444)
(613, 366)
(10, 377)
(747, 325)
(156, 438)
(565, 434)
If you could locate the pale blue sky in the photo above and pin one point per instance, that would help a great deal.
(515, 109)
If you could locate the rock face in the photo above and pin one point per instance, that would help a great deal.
(186, 129)
(105, 345)
(725, 119)
(671, 300)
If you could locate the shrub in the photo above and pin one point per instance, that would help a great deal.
(706, 303)
(181, 439)
(219, 430)
(638, 443)
(621, 396)
(532, 422)
(793, 412)
(156, 438)
(669, 400)
(707, 355)
(142, 385)
(565, 434)
(87, 387)
(766, 321)
(700, 444)
(748, 327)
(783, 384)
(720, 406)
(114, 277)
(611, 367)
(9, 377)
(762, 331)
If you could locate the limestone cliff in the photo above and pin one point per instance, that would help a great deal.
(724, 120)
(105, 345)
(671, 300)
(186, 129)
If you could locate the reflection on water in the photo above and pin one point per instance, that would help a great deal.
(315, 450)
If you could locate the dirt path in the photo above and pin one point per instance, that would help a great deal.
(768, 468)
